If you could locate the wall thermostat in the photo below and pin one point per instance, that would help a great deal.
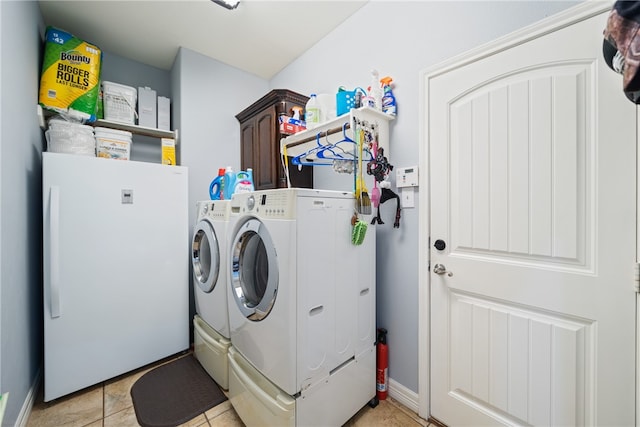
(407, 177)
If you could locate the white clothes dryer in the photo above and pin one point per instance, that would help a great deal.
(209, 262)
(301, 303)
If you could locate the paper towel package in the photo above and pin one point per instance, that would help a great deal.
(70, 77)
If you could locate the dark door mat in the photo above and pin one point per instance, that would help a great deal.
(174, 393)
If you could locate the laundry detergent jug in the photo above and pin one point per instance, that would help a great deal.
(216, 189)
(244, 181)
(229, 183)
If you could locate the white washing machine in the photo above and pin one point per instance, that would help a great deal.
(209, 261)
(301, 308)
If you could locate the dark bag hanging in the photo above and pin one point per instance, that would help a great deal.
(621, 46)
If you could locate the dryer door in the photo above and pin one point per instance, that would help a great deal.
(254, 273)
(205, 256)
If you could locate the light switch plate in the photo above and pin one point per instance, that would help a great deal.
(407, 177)
(407, 197)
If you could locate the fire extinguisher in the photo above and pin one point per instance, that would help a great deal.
(382, 356)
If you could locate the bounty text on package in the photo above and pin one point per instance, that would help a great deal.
(69, 83)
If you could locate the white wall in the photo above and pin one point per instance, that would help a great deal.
(21, 145)
(399, 39)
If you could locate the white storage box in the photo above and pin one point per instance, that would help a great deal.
(211, 349)
(71, 138)
(119, 102)
(113, 144)
(164, 113)
(147, 107)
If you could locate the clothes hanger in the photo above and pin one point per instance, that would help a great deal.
(339, 152)
(301, 159)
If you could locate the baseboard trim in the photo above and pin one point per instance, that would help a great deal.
(403, 395)
(27, 406)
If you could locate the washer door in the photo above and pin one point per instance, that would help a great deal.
(254, 271)
(205, 256)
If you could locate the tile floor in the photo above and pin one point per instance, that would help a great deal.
(109, 405)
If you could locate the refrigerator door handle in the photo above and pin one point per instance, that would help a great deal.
(54, 255)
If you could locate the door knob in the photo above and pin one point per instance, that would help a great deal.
(441, 269)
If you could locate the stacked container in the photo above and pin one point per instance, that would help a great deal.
(71, 138)
(119, 102)
(113, 144)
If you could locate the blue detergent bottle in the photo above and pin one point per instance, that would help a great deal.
(216, 189)
(229, 183)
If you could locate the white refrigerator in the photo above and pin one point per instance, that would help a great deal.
(116, 268)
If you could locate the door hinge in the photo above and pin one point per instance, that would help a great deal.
(636, 277)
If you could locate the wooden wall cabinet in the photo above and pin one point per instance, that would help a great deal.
(260, 141)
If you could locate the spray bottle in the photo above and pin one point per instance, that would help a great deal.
(388, 99)
(367, 99)
(375, 90)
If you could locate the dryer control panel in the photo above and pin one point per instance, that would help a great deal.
(276, 204)
(265, 204)
(283, 203)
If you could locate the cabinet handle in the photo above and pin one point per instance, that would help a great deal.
(54, 251)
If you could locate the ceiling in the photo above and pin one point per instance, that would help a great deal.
(260, 36)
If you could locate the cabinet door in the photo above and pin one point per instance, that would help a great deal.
(260, 142)
(247, 140)
(266, 151)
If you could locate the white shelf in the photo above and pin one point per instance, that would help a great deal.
(331, 131)
(138, 130)
(134, 129)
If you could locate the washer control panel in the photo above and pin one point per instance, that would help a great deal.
(265, 204)
(214, 209)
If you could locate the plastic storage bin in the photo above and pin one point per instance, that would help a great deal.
(113, 144)
(71, 138)
(346, 100)
(119, 102)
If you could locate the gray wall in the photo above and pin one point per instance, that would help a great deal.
(21, 200)
(207, 95)
(118, 69)
(210, 94)
(414, 35)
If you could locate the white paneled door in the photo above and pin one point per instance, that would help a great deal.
(532, 157)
